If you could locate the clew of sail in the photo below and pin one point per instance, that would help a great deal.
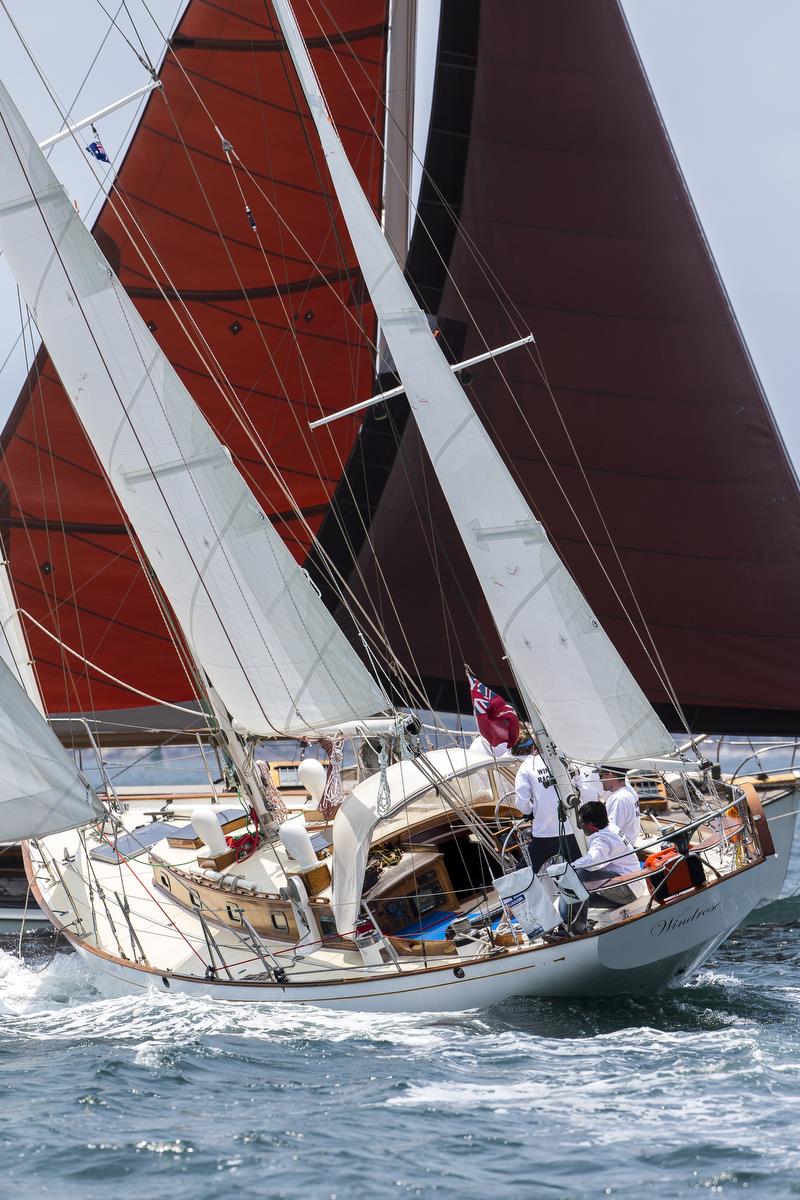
(565, 664)
(249, 614)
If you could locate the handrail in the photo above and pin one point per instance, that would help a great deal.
(681, 831)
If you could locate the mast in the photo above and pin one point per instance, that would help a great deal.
(576, 687)
(400, 124)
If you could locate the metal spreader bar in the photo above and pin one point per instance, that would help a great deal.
(398, 391)
(78, 125)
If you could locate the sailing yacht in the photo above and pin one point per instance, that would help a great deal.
(242, 901)
(635, 367)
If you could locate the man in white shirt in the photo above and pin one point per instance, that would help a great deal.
(609, 854)
(622, 802)
(479, 745)
(535, 793)
(588, 783)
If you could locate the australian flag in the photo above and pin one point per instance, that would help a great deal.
(96, 148)
(497, 720)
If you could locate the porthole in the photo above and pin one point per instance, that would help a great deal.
(195, 899)
(234, 914)
(458, 972)
(279, 921)
(165, 881)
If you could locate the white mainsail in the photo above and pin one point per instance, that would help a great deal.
(41, 789)
(249, 614)
(565, 664)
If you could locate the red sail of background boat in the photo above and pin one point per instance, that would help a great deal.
(73, 563)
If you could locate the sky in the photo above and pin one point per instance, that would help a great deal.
(724, 73)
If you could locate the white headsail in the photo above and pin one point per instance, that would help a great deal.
(13, 644)
(564, 662)
(249, 614)
(41, 789)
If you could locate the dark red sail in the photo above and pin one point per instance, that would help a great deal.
(547, 143)
(73, 563)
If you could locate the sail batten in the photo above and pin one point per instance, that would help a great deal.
(248, 613)
(565, 665)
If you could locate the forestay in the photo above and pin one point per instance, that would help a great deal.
(248, 612)
(41, 788)
(564, 663)
(407, 781)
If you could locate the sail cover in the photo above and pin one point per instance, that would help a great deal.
(547, 143)
(41, 788)
(563, 661)
(250, 615)
(71, 557)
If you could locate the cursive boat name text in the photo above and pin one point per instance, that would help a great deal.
(670, 923)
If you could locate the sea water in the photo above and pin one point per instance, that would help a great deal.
(692, 1093)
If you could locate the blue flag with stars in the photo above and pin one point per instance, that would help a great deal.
(96, 148)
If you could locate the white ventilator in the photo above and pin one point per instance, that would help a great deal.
(294, 835)
(313, 776)
(206, 826)
(250, 615)
(565, 665)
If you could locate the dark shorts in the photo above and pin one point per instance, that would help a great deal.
(543, 848)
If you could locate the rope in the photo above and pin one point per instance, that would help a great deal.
(333, 793)
(384, 799)
(273, 800)
(120, 683)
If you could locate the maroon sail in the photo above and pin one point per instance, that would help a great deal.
(548, 154)
(73, 563)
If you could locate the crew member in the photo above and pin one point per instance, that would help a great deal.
(535, 793)
(609, 854)
(587, 781)
(622, 802)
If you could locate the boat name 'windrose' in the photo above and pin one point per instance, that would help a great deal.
(676, 922)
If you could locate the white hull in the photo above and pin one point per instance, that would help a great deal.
(639, 958)
(782, 816)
